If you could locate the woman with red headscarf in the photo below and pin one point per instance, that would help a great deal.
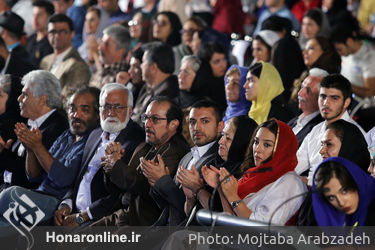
(269, 180)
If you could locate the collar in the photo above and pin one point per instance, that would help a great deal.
(112, 136)
(61, 56)
(304, 119)
(39, 121)
(202, 149)
(12, 46)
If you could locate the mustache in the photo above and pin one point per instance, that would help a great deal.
(76, 120)
(198, 132)
(147, 130)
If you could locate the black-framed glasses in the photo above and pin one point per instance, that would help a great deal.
(152, 118)
(116, 107)
(54, 32)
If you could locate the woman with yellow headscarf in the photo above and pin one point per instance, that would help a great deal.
(264, 87)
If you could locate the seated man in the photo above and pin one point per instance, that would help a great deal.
(58, 167)
(163, 126)
(89, 199)
(39, 102)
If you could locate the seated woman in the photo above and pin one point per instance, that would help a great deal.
(268, 179)
(343, 194)
(262, 45)
(237, 104)
(264, 88)
(166, 28)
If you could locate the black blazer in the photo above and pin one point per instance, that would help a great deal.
(102, 201)
(51, 128)
(306, 129)
(20, 62)
(170, 197)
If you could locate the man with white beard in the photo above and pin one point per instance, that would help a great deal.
(89, 200)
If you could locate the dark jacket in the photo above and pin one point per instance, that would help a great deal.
(306, 129)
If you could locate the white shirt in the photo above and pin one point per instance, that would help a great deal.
(58, 59)
(303, 120)
(308, 153)
(266, 201)
(197, 153)
(21, 149)
(83, 200)
(370, 137)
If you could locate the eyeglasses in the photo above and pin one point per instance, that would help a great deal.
(54, 32)
(154, 119)
(161, 23)
(133, 23)
(116, 107)
(189, 32)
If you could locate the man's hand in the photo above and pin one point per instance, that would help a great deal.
(190, 178)
(31, 139)
(70, 221)
(61, 213)
(113, 153)
(153, 171)
(4, 144)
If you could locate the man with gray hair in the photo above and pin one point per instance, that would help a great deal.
(39, 102)
(308, 104)
(89, 200)
(112, 50)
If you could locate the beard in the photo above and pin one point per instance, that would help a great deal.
(113, 124)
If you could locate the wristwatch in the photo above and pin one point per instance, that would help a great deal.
(79, 219)
(234, 204)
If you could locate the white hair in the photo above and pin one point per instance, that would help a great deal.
(317, 72)
(111, 87)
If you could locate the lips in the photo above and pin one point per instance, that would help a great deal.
(346, 209)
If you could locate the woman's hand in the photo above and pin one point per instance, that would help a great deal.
(229, 185)
(211, 175)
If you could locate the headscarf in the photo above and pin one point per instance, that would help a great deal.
(327, 215)
(284, 159)
(242, 106)
(270, 86)
(175, 37)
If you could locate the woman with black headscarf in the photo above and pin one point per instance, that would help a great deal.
(166, 28)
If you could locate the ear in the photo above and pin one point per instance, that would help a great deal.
(347, 102)
(72, 34)
(43, 99)
(130, 111)
(174, 124)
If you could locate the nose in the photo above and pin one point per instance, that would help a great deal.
(258, 148)
(301, 92)
(20, 98)
(246, 85)
(340, 201)
(222, 140)
(322, 151)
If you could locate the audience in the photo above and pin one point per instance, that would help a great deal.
(166, 28)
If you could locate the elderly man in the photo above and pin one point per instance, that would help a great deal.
(65, 62)
(163, 125)
(39, 102)
(58, 167)
(113, 49)
(157, 72)
(89, 200)
(308, 104)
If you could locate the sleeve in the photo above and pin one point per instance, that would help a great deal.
(303, 155)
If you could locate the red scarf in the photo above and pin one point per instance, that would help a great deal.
(283, 160)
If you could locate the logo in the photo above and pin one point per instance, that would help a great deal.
(23, 215)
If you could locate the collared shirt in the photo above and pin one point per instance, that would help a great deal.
(108, 74)
(21, 149)
(83, 200)
(308, 153)
(6, 64)
(303, 120)
(198, 152)
(12, 46)
(58, 59)
(67, 154)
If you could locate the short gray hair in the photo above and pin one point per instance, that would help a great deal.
(6, 83)
(120, 36)
(109, 87)
(194, 61)
(317, 72)
(43, 82)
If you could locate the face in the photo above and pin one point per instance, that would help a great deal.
(3, 101)
(309, 27)
(114, 112)
(264, 143)
(39, 19)
(108, 51)
(135, 26)
(308, 95)
(61, 6)
(91, 22)
(371, 168)
(188, 30)
(218, 64)
(226, 140)
(108, 5)
(30, 106)
(135, 71)
(195, 43)
(186, 76)
(59, 36)
(82, 115)
(158, 131)
(331, 145)
(342, 49)
(147, 69)
(232, 89)
(161, 28)
(332, 104)
(312, 52)
(260, 51)
(251, 87)
(203, 126)
(340, 198)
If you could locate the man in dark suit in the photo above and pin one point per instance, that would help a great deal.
(89, 200)
(157, 72)
(205, 125)
(15, 59)
(163, 126)
(39, 102)
(308, 104)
